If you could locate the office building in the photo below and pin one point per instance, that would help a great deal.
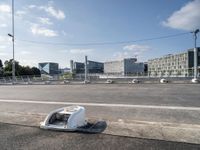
(48, 68)
(92, 66)
(181, 64)
(78, 67)
(64, 70)
(127, 66)
(95, 67)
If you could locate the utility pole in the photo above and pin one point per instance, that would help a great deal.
(13, 42)
(195, 53)
(86, 69)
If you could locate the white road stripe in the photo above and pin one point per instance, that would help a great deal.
(100, 104)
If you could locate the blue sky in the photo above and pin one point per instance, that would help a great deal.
(94, 21)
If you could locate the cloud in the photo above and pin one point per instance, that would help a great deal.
(37, 30)
(3, 54)
(187, 18)
(39, 24)
(4, 8)
(25, 52)
(50, 10)
(20, 13)
(5, 13)
(45, 21)
(5, 40)
(3, 25)
(58, 14)
(64, 33)
(32, 6)
(80, 51)
(131, 51)
(121, 55)
(3, 46)
(136, 48)
(30, 62)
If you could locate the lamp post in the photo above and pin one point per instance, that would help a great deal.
(86, 68)
(195, 52)
(13, 42)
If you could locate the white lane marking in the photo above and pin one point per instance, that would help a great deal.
(100, 104)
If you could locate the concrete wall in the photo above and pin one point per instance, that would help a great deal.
(114, 67)
(124, 67)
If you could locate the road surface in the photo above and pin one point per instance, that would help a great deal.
(166, 103)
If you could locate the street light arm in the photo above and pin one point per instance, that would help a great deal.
(10, 35)
(196, 31)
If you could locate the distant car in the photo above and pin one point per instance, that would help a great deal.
(30, 82)
(164, 80)
(109, 81)
(47, 82)
(86, 82)
(195, 80)
(135, 81)
(66, 81)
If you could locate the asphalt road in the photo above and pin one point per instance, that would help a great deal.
(25, 138)
(141, 94)
(156, 95)
(174, 103)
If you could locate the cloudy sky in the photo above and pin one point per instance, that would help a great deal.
(60, 30)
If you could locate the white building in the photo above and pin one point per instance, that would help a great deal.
(125, 66)
(174, 64)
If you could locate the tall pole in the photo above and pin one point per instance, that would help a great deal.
(71, 66)
(13, 41)
(86, 69)
(195, 53)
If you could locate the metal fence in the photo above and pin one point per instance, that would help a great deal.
(93, 78)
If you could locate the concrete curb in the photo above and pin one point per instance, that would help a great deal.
(156, 130)
(189, 133)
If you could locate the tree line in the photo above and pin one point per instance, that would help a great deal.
(6, 69)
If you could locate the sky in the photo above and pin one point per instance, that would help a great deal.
(61, 30)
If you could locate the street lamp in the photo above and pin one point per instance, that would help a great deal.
(86, 68)
(13, 42)
(195, 53)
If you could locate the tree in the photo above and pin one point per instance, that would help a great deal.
(19, 70)
(7, 70)
(1, 65)
(8, 65)
(24, 70)
(68, 75)
(1, 68)
(36, 71)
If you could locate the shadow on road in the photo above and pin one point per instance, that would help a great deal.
(93, 127)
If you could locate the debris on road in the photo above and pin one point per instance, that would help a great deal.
(71, 118)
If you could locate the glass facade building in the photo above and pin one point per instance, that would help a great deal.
(49, 68)
(92, 66)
